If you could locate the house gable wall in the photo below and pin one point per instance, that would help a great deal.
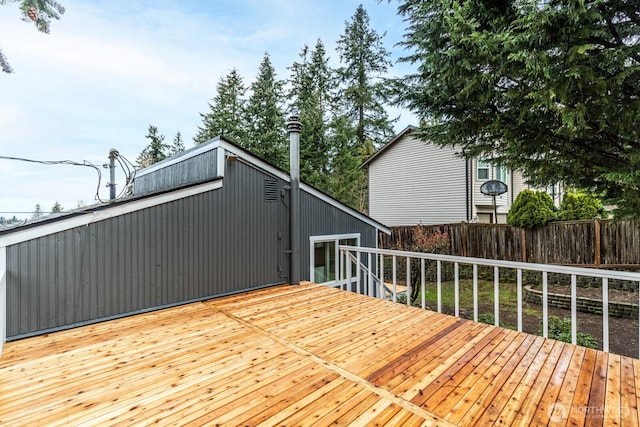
(416, 182)
(214, 243)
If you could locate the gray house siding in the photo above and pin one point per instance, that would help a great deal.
(215, 243)
(165, 246)
(197, 168)
(319, 218)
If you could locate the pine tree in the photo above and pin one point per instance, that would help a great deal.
(155, 152)
(225, 111)
(264, 117)
(177, 146)
(37, 213)
(365, 61)
(550, 87)
(347, 181)
(57, 208)
(363, 97)
(311, 83)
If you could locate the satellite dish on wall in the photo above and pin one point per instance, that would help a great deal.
(494, 188)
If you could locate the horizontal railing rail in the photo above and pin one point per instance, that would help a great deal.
(369, 279)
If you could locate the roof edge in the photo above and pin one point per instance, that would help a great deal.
(406, 131)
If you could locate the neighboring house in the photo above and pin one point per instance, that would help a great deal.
(213, 220)
(412, 182)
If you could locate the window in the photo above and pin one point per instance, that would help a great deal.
(483, 169)
(324, 256)
(501, 174)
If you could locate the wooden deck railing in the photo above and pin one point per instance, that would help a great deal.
(366, 274)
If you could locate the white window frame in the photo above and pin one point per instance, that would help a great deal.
(335, 238)
(502, 170)
(483, 164)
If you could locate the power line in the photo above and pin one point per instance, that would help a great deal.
(63, 162)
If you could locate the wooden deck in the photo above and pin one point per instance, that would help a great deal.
(309, 355)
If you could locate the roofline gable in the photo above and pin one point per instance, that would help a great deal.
(91, 214)
(406, 131)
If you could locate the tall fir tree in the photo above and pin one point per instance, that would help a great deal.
(155, 151)
(363, 97)
(225, 116)
(37, 213)
(365, 62)
(347, 180)
(57, 207)
(312, 81)
(551, 88)
(264, 117)
(177, 146)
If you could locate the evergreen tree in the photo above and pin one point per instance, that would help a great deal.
(40, 12)
(347, 181)
(364, 61)
(550, 87)
(362, 96)
(312, 82)
(155, 152)
(37, 213)
(225, 111)
(57, 207)
(264, 117)
(177, 146)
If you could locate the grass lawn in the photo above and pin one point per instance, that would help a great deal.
(508, 295)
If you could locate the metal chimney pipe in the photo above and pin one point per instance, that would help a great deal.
(113, 153)
(294, 127)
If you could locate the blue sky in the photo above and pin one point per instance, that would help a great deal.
(109, 69)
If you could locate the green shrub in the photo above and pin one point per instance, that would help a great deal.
(581, 205)
(531, 209)
(560, 329)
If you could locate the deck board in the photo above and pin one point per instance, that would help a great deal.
(309, 355)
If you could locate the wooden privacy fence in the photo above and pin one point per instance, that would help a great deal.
(592, 243)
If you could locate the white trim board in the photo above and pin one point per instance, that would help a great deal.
(87, 218)
(181, 157)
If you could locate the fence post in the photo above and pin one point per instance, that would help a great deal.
(523, 244)
(463, 237)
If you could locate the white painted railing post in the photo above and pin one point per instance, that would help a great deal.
(475, 292)
(574, 314)
(519, 284)
(381, 276)
(496, 296)
(545, 308)
(349, 285)
(456, 288)
(605, 314)
(370, 288)
(573, 272)
(423, 289)
(395, 290)
(3, 297)
(439, 285)
(409, 284)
